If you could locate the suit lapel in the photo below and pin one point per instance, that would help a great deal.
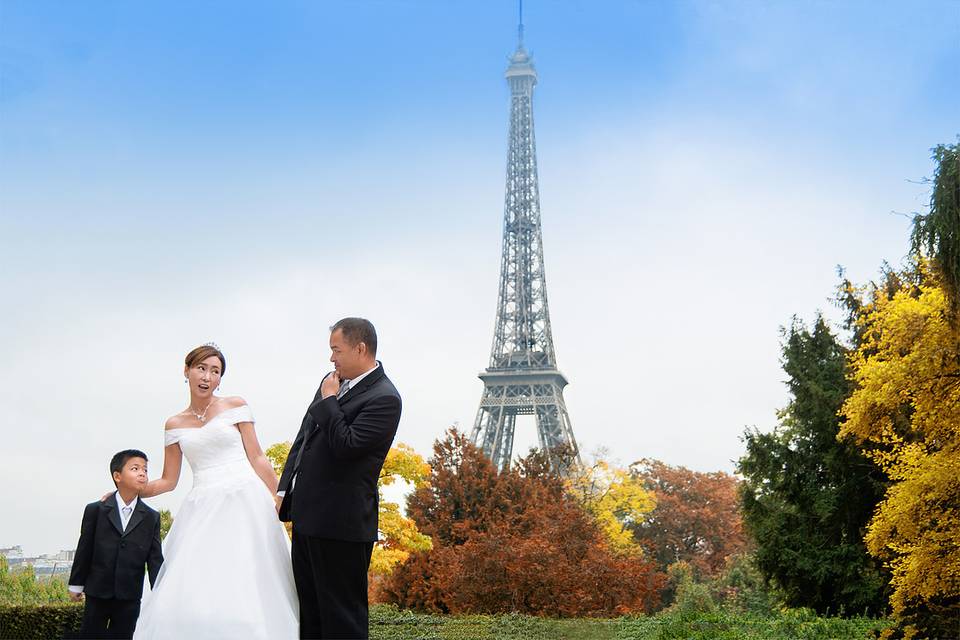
(365, 384)
(138, 515)
(113, 515)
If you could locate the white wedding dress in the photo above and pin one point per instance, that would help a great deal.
(226, 570)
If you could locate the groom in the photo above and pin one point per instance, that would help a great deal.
(328, 487)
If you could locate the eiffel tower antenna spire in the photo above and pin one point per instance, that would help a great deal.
(522, 378)
(520, 28)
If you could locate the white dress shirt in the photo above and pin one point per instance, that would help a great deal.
(355, 381)
(124, 519)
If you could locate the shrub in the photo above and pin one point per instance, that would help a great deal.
(21, 587)
(60, 620)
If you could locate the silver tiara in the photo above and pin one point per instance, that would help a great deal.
(212, 344)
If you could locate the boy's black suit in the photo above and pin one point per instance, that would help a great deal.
(336, 460)
(110, 562)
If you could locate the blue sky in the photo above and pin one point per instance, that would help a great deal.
(173, 173)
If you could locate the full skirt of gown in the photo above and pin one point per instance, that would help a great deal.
(226, 570)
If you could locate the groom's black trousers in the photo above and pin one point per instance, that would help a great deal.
(331, 577)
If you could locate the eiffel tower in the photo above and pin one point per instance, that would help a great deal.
(522, 378)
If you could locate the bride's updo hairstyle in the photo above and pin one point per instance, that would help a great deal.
(203, 352)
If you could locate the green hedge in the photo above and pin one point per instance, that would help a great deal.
(389, 623)
(40, 621)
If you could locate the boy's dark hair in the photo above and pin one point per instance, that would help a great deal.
(357, 330)
(120, 458)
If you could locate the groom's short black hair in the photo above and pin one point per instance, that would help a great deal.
(120, 458)
(356, 330)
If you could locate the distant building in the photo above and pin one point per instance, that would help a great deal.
(11, 553)
(44, 567)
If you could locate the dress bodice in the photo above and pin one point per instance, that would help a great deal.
(216, 443)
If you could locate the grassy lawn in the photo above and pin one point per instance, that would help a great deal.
(387, 623)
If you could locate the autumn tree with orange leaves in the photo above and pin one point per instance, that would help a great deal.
(696, 520)
(514, 541)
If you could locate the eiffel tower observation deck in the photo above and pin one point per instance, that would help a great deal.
(522, 377)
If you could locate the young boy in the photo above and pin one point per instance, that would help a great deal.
(118, 537)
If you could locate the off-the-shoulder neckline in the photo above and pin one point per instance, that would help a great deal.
(208, 422)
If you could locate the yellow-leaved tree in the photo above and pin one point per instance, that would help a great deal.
(616, 499)
(905, 412)
(400, 534)
(277, 455)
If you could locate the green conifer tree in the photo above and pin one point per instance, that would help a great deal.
(807, 497)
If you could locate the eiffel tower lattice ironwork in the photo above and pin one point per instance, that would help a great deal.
(522, 378)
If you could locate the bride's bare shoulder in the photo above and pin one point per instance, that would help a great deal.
(232, 402)
(176, 422)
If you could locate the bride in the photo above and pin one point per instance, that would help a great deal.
(227, 571)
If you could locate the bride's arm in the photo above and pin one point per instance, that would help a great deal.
(172, 460)
(256, 456)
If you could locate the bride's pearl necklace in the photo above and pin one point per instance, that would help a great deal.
(201, 416)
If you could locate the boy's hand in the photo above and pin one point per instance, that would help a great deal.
(107, 495)
(76, 597)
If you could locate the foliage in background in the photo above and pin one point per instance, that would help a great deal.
(738, 589)
(905, 411)
(690, 596)
(742, 589)
(514, 541)
(20, 587)
(696, 519)
(806, 496)
(277, 455)
(166, 521)
(937, 233)
(615, 498)
(400, 533)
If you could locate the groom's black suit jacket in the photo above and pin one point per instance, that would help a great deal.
(337, 457)
(110, 560)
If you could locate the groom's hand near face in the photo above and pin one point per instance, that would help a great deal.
(330, 385)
